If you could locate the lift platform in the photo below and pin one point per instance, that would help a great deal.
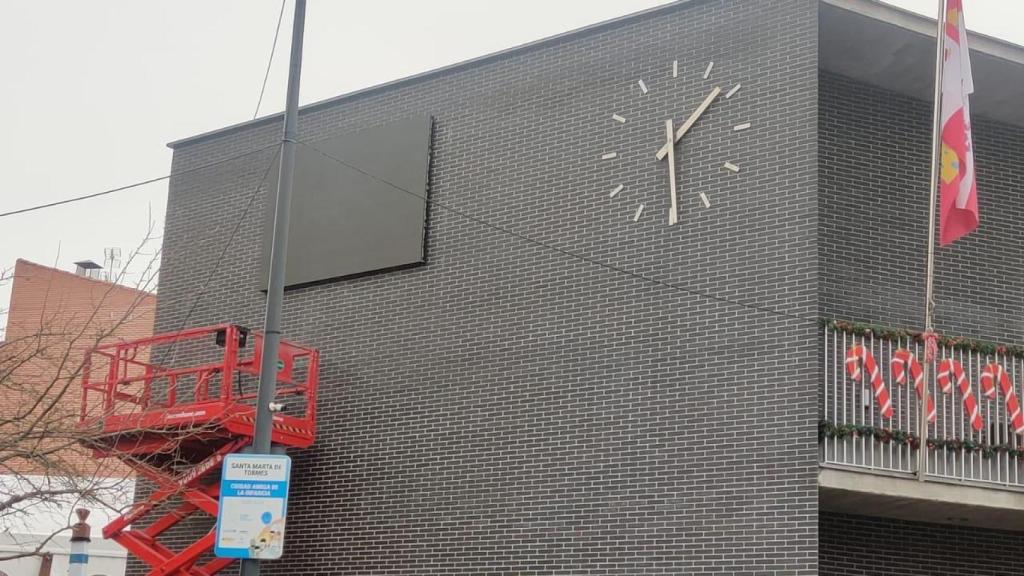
(171, 407)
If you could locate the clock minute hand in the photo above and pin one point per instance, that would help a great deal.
(691, 120)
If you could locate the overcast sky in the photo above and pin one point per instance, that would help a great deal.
(93, 91)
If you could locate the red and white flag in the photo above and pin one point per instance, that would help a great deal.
(959, 198)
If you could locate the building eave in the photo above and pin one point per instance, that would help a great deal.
(924, 25)
(894, 49)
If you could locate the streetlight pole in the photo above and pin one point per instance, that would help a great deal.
(278, 252)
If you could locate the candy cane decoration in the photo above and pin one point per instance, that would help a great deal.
(900, 360)
(949, 367)
(858, 355)
(994, 373)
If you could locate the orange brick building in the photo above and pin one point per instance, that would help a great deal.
(53, 318)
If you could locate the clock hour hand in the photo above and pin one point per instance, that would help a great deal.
(691, 120)
(673, 211)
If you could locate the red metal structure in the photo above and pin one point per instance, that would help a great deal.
(174, 419)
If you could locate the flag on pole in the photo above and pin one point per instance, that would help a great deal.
(959, 192)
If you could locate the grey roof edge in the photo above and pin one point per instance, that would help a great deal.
(590, 28)
(925, 25)
(871, 8)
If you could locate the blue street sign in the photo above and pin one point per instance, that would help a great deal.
(253, 503)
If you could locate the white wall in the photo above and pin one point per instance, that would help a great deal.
(105, 557)
(24, 530)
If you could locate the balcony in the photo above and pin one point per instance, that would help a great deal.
(869, 434)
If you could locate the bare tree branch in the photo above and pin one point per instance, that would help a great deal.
(45, 457)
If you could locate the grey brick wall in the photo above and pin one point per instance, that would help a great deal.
(506, 409)
(874, 151)
(863, 546)
(873, 173)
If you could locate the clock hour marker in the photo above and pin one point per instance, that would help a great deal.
(639, 211)
(731, 167)
(704, 199)
(643, 87)
(616, 191)
(707, 71)
(743, 126)
(618, 119)
(734, 90)
(609, 155)
(675, 68)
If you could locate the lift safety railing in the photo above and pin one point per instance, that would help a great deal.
(171, 407)
(192, 375)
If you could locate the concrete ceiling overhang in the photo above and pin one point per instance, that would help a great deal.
(895, 49)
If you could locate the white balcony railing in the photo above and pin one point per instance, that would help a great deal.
(986, 449)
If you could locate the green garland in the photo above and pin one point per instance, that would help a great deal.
(828, 429)
(955, 342)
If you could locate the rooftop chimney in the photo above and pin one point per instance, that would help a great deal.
(88, 268)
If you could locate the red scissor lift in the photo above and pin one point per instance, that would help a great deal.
(171, 407)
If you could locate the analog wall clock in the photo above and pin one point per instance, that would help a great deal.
(672, 146)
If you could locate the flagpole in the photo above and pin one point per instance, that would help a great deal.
(929, 303)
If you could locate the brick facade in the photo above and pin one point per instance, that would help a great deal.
(507, 409)
(53, 318)
(873, 173)
(873, 170)
(862, 546)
